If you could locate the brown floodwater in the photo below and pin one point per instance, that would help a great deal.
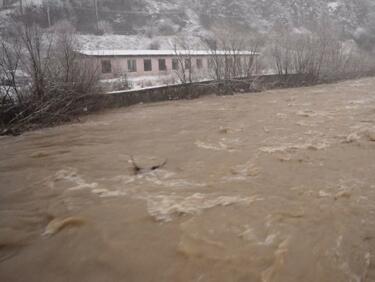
(274, 186)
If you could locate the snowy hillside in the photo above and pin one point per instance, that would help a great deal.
(155, 23)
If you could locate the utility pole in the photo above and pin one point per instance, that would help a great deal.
(97, 15)
(48, 14)
(21, 7)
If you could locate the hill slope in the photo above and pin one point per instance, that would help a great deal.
(161, 19)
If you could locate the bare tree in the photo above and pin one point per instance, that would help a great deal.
(60, 78)
(233, 56)
(281, 53)
(9, 64)
(317, 54)
(183, 56)
(36, 56)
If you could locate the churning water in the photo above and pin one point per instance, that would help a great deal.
(275, 186)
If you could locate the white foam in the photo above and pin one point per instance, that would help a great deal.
(249, 235)
(70, 175)
(105, 193)
(243, 172)
(166, 207)
(323, 194)
(289, 147)
(220, 146)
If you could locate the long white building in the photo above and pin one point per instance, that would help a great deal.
(152, 63)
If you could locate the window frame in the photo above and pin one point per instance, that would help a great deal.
(164, 64)
(199, 63)
(187, 63)
(211, 63)
(175, 64)
(106, 66)
(132, 65)
(149, 67)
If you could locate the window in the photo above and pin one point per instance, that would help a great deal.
(211, 63)
(229, 62)
(187, 64)
(162, 65)
(174, 64)
(147, 65)
(199, 63)
(106, 66)
(132, 65)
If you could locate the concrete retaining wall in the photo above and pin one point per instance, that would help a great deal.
(192, 91)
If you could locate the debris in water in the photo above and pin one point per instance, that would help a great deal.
(57, 224)
(140, 170)
(371, 135)
(37, 155)
(224, 130)
(343, 194)
(306, 113)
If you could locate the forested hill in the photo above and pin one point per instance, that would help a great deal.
(199, 18)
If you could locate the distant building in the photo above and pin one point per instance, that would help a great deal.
(143, 64)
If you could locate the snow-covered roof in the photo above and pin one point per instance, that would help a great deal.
(162, 52)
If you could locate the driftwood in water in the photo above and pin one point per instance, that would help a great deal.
(139, 170)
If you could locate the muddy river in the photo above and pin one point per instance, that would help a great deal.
(274, 186)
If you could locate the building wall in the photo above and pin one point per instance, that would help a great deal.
(119, 66)
(194, 90)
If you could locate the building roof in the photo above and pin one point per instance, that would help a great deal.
(101, 53)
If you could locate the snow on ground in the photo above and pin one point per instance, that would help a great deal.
(141, 82)
(333, 6)
(132, 42)
(122, 84)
